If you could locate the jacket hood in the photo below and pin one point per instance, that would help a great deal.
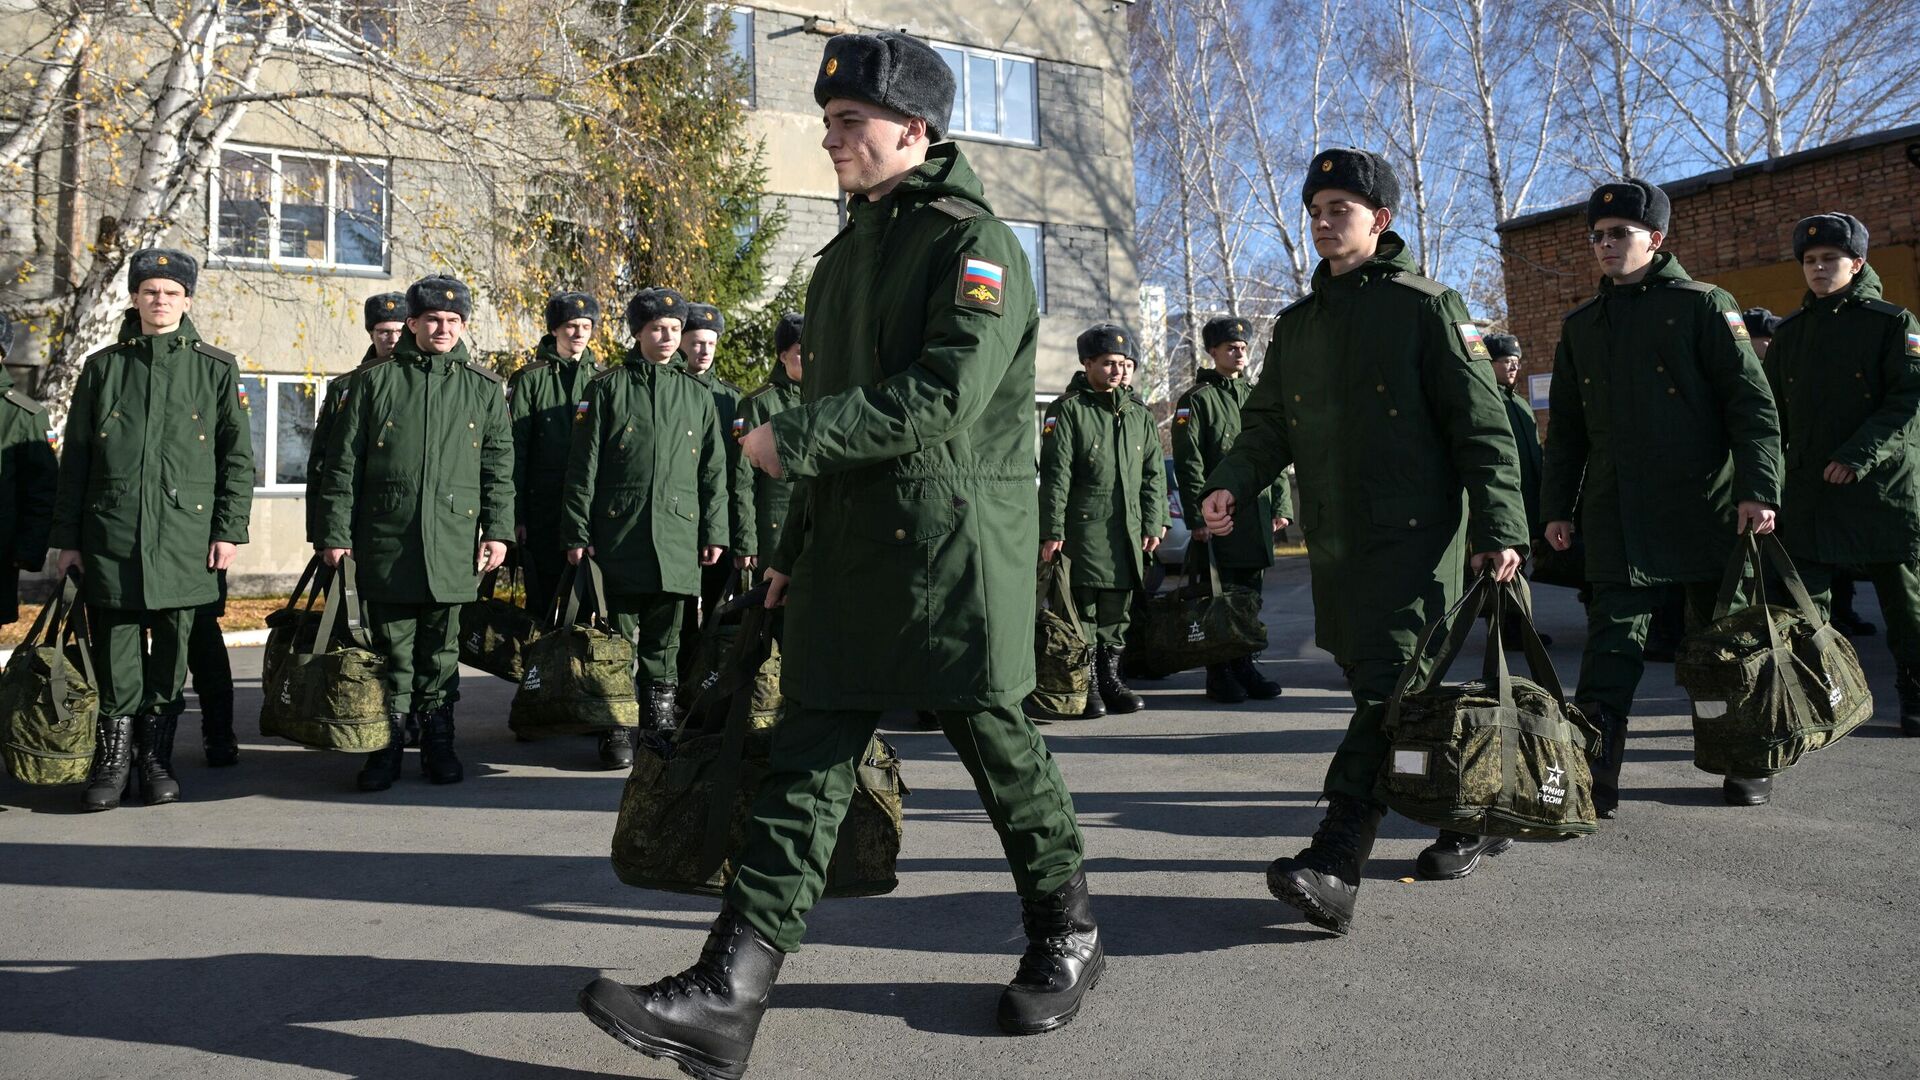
(546, 352)
(408, 351)
(1865, 286)
(130, 327)
(946, 172)
(1663, 268)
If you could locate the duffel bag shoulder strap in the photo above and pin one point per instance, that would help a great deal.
(1457, 621)
(753, 637)
(1214, 587)
(1745, 557)
(63, 619)
(596, 593)
(566, 599)
(1776, 553)
(487, 581)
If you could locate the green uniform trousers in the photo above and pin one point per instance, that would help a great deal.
(140, 658)
(207, 654)
(651, 621)
(1617, 621)
(1106, 612)
(1356, 764)
(798, 810)
(543, 562)
(421, 643)
(1898, 586)
(697, 611)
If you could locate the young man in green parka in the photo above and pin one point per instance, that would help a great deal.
(766, 510)
(699, 348)
(1845, 371)
(156, 487)
(1377, 391)
(646, 494)
(1103, 503)
(1663, 435)
(541, 400)
(1206, 420)
(906, 571)
(29, 476)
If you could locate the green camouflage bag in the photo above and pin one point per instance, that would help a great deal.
(579, 674)
(328, 690)
(1196, 625)
(290, 629)
(1062, 652)
(48, 703)
(1769, 684)
(687, 802)
(1504, 756)
(495, 632)
(716, 647)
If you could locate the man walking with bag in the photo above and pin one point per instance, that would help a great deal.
(418, 489)
(156, 486)
(1845, 371)
(906, 568)
(1377, 390)
(1663, 435)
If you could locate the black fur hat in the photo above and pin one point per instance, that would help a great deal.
(1103, 338)
(891, 70)
(705, 317)
(1499, 345)
(1224, 329)
(1362, 172)
(438, 292)
(384, 307)
(1761, 323)
(166, 263)
(563, 308)
(650, 304)
(1844, 231)
(1635, 200)
(787, 333)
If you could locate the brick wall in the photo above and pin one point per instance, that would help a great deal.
(1731, 228)
(1071, 107)
(1076, 273)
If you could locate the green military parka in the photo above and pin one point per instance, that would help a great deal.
(322, 436)
(1845, 371)
(766, 510)
(1206, 420)
(1376, 389)
(1102, 484)
(29, 478)
(542, 399)
(726, 407)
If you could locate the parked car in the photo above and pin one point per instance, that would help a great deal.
(1172, 553)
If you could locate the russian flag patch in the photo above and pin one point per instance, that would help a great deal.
(1181, 416)
(1047, 427)
(580, 412)
(739, 427)
(1913, 344)
(982, 284)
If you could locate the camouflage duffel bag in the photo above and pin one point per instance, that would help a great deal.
(1768, 683)
(579, 674)
(330, 692)
(495, 632)
(1196, 625)
(291, 629)
(1503, 756)
(716, 647)
(687, 802)
(1062, 652)
(48, 701)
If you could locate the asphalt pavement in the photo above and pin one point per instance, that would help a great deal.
(278, 924)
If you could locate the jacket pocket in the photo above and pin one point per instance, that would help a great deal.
(108, 527)
(1409, 512)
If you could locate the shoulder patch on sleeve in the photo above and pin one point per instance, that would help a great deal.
(1424, 285)
(982, 284)
(1737, 325)
(1046, 426)
(956, 208)
(1471, 340)
(1913, 344)
(1884, 307)
(489, 373)
(25, 402)
(222, 355)
(1691, 286)
(1580, 307)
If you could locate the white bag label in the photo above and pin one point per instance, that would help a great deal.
(1410, 763)
(1709, 710)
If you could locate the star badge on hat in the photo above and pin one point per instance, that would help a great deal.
(1812, 230)
(1120, 339)
(579, 303)
(833, 64)
(162, 260)
(389, 305)
(1326, 165)
(449, 294)
(1608, 197)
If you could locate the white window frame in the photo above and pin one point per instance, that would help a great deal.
(243, 18)
(276, 188)
(270, 385)
(742, 12)
(963, 94)
(1038, 260)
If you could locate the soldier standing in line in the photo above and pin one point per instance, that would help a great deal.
(646, 494)
(767, 509)
(29, 476)
(156, 486)
(541, 399)
(906, 565)
(1205, 422)
(699, 345)
(1103, 501)
(1663, 436)
(418, 488)
(1845, 371)
(1377, 391)
(1505, 350)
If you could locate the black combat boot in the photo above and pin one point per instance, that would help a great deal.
(1324, 880)
(703, 1019)
(616, 749)
(1747, 790)
(1223, 687)
(1114, 694)
(153, 758)
(383, 766)
(1096, 708)
(112, 763)
(1455, 855)
(660, 706)
(1063, 961)
(412, 722)
(216, 729)
(437, 762)
(1247, 674)
(1613, 754)
(1906, 682)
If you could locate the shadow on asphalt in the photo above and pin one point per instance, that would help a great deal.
(265, 1007)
